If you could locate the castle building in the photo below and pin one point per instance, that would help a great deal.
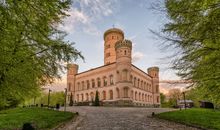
(118, 82)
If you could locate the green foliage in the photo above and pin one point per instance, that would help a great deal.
(32, 48)
(41, 118)
(193, 31)
(164, 103)
(55, 98)
(206, 118)
(96, 103)
(195, 95)
(162, 98)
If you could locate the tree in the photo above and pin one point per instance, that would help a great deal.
(96, 103)
(32, 48)
(71, 100)
(193, 31)
(162, 98)
(174, 96)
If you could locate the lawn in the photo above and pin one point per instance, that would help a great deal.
(41, 118)
(205, 118)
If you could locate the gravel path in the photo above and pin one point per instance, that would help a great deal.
(121, 118)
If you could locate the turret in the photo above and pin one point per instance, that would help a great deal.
(72, 70)
(123, 50)
(111, 36)
(154, 73)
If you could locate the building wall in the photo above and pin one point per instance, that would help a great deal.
(140, 94)
(118, 82)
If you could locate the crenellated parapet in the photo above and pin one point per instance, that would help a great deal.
(153, 72)
(123, 43)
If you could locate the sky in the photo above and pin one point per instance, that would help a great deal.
(89, 19)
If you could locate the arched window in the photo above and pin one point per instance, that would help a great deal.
(93, 83)
(135, 95)
(145, 88)
(157, 88)
(134, 81)
(118, 76)
(111, 80)
(125, 92)
(118, 93)
(87, 97)
(125, 52)
(104, 95)
(92, 96)
(132, 94)
(83, 85)
(88, 84)
(131, 78)
(141, 84)
(69, 86)
(145, 97)
(82, 97)
(104, 81)
(98, 82)
(138, 83)
(110, 94)
(79, 88)
(77, 97)
(139, 96)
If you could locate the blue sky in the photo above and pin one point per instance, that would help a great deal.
(89, 19)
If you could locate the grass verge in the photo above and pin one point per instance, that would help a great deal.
(204, 118)
(39, 117)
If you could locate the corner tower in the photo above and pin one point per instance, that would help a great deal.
(154, 73)
(72, 70)
(111, 36)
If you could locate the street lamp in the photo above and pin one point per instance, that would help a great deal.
(184, 98)
(48, 98)
(65, 99)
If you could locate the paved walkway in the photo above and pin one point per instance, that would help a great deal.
(122, 118)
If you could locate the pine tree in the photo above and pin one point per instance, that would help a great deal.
(96, 99)
(71, 100)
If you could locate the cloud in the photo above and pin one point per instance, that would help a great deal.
(136, 56)
(84, 15)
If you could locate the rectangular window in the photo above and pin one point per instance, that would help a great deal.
(69, 86)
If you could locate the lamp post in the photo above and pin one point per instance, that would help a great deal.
(65, 99)
(184, 98)
(48, 98)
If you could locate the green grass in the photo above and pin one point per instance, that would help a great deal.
(204, 118)
(41, 118)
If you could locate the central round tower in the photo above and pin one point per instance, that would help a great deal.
(111, 36)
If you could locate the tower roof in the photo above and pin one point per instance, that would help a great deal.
(117, 30)
(154, 68)
(122, 43)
